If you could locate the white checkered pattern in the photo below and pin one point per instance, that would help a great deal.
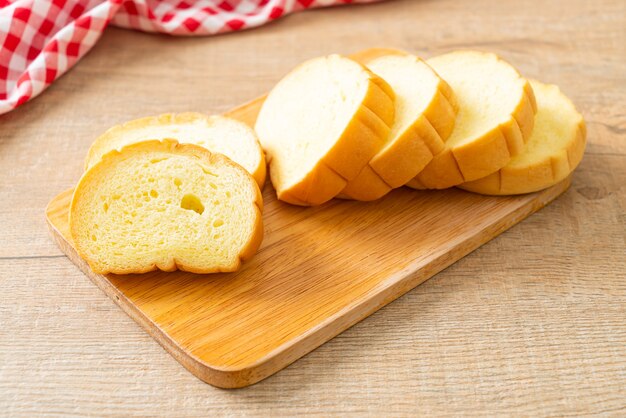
(41, 39)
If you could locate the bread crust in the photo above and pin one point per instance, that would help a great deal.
(173, 146)
(97, 149)
(361, 139)
(541, 173)
(398, 162)
(485, 154)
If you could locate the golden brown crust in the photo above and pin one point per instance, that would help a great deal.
(366, 187)
(410, 152)
(320, 183)
(362, 138)
(541, 173)
(487, 153)
(442, 115)
(367, 55)
(539, 176)
(367, 131)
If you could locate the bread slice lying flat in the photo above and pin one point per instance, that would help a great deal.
(425, 113)
(164, 205)
(553, 151)
(495, 119)
(220, 134)
(320, 126)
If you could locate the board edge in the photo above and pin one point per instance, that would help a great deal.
(289, 352)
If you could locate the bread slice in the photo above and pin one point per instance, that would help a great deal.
(320, 125)
(164, 205)
(553, 151)
(230, 137)
(495, 119)
(425, 113)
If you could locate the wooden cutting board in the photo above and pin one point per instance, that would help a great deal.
(319, 271)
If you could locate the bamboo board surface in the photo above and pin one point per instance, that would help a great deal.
(319, 271)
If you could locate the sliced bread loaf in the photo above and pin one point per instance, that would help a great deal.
(425, 113)
(496, 117)
(553, 151)
(230, 137)
(320, 125)
(164, 205)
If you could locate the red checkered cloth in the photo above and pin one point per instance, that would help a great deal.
(41, 39)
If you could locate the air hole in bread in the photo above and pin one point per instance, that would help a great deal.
(156, 160)
(217, 223)
(94, 238)
(210, 173)
(154, 193)
(105, 206)
(192, 202)
(213, 186)
(178, 182)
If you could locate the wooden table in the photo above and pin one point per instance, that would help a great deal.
(533, 323)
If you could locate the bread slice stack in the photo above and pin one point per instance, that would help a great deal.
(334, 128)
(147, 201)
(555, 148)
(321, 125)
(425, 111)
(164, 205)
(496, 117)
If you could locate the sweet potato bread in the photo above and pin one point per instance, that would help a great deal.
(164, 205)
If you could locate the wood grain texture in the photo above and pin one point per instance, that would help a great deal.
(319, 271)
(532, 323)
